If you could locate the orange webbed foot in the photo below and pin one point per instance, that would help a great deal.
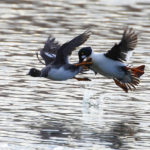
(82, 79)
(121, 85)
(84, 63)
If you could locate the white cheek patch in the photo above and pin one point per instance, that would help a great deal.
(83, 56)
(50, 55)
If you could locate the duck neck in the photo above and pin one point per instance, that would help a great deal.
(92, 54)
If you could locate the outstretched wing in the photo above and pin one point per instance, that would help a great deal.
(127, 43)
(48, 53)
(66, 49)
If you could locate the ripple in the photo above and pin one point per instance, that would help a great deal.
(44, 114)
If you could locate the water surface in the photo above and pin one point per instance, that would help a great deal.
(42, 114)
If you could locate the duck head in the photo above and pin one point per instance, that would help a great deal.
(34, 72)
(84, 52)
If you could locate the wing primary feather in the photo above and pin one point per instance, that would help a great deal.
(66, 49)
(127, 44)
(48, 53)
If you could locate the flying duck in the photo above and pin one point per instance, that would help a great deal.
(112, 63)
(57, 66)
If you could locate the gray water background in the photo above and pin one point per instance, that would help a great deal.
(40, 114)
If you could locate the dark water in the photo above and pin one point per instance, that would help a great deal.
(40, 114)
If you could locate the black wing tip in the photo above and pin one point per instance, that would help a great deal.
(50, 47)
(87, 33)
(127, 43)
(51, 40)
(130, 37)
(130, 32)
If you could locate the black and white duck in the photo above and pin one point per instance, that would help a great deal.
(111, 64)
(56, 59)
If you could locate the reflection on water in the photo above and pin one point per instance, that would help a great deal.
(116, 136)
(42, 114)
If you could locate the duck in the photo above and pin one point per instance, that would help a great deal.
(112, 64)
(56, 59)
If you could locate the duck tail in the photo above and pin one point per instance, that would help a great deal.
(131, 82)
(138, 71)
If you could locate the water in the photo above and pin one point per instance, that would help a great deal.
(40, 114)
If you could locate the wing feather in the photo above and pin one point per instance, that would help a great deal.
(48, 53)
(127, 44)
(66, 49)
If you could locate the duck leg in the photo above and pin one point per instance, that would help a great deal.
(121, 85)
(84, 63)
(82, 79)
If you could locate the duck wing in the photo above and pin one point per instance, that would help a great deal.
(66, 49)
(48, 53)
(127, 44)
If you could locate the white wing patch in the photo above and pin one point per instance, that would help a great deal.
(50, 55)
(129, 55)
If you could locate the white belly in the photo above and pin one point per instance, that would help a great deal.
(106, 66)
(61, 74)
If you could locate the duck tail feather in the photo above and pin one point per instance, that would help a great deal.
(138, 71)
